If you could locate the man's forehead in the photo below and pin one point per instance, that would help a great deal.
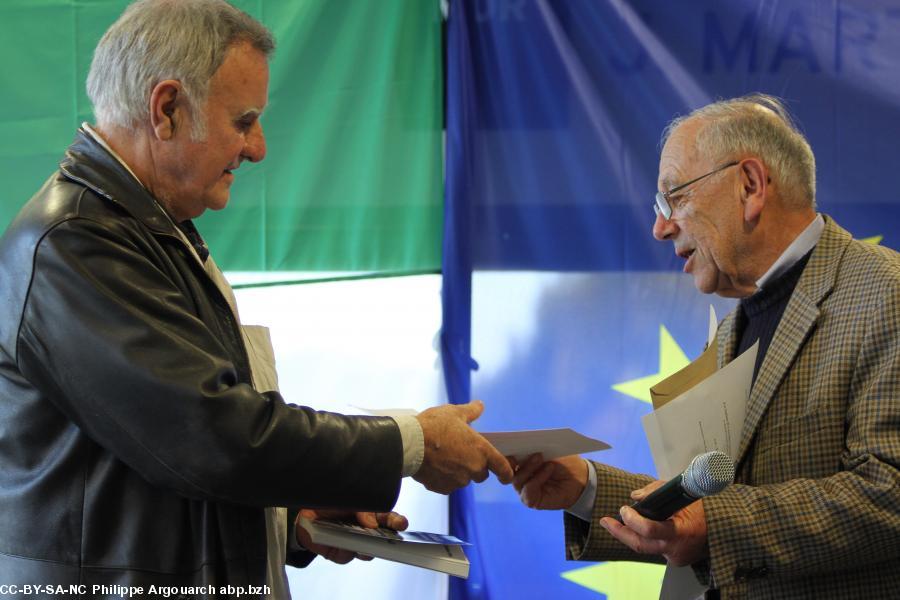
(243, 75)
(677, 154)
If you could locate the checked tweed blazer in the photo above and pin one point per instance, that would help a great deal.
(815, 510)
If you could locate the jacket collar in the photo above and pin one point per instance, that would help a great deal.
(90, 164)
(796, 323)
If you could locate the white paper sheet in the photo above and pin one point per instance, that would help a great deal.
(552, 443)
(709, 416)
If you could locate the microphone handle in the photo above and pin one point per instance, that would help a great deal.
(664, 501)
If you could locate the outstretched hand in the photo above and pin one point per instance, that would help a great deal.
(455, 454)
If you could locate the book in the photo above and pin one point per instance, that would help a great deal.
(433, 551)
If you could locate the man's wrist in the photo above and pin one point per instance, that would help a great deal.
(584, 506)
(413, 440)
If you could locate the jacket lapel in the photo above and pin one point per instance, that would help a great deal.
(797, 322)
(727, 338)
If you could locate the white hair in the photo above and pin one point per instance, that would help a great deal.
(155, 40)
(759, 125)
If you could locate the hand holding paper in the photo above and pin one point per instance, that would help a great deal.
(553, 485)
(456, 454)
(549, 474)
(467, 457)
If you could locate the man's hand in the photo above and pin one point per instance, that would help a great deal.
(681, 538)
(553, 485)
(371, 520)
(456, 454)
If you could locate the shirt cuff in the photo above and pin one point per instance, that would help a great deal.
(293, 543)
(584, 506)
(413, 444)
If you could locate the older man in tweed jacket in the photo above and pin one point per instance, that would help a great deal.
(815, 510)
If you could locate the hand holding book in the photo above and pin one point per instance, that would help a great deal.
(434, 551)
(375, 521)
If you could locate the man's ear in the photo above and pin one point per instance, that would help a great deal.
(754, 181)
(166, 108)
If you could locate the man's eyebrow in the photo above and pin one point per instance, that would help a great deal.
(250, 112)
(668, 183)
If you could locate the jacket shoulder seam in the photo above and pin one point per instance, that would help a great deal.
(34, 256)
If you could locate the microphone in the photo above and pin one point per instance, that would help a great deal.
(708, 474)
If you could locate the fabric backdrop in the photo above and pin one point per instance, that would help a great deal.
(352, 179)
(553, 286)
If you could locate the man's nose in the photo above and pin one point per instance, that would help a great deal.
(255, 144)
(664, 229)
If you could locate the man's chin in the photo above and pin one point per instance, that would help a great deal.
(218, 202)
(704, 283)
(722, 286)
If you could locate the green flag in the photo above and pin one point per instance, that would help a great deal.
(353, 176)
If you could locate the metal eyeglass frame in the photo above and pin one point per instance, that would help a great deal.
(662, 206)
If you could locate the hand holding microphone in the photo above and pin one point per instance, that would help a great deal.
(708, 474)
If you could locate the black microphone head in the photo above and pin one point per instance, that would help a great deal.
(708, 474)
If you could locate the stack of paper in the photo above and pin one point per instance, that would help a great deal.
(698, 409)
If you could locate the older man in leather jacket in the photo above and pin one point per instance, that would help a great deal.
(137, 446)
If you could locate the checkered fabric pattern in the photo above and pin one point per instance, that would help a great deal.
(590, 541)
(815, 510)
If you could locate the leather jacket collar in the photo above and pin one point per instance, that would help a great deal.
(89, 163)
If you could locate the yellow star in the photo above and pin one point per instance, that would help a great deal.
(875, 239)
(671, 359)
(620, 580)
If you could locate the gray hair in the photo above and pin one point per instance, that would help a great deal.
(760, 125)
(155, 40)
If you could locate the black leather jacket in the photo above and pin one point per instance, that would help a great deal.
(133, 449)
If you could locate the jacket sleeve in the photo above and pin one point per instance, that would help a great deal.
(112, 340)
(590, 541)
(843, 520)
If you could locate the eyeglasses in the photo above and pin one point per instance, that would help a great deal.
(662, 205)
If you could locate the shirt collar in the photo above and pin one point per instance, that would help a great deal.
(801, 245)
(99, 139)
